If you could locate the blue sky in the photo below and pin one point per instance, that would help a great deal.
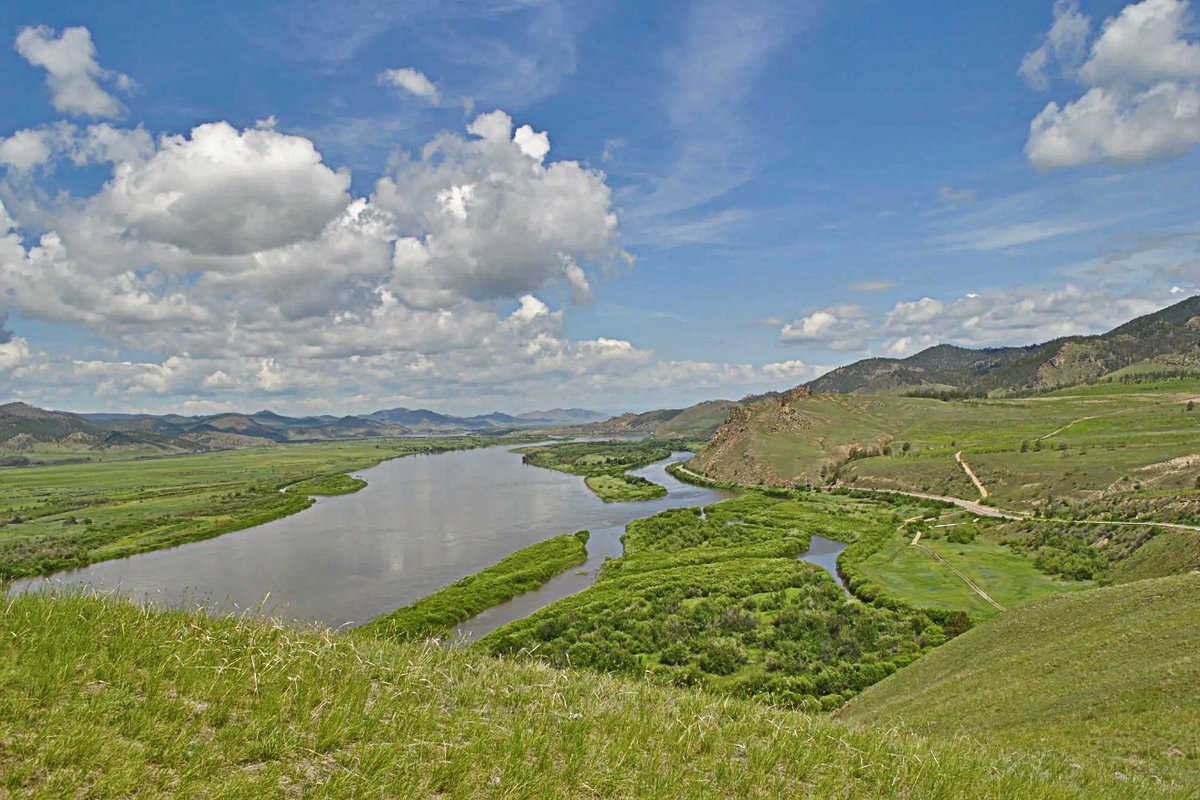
(314, 207)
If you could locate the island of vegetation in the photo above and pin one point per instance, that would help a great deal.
(437, 614)
(605, 465)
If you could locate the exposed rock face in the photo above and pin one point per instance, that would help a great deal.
(731, 456)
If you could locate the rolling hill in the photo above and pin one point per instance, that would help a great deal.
(1166, 340)
(25, 429)
(1105, 679)
(699, 421)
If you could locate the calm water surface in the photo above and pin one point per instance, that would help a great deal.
(422, 522)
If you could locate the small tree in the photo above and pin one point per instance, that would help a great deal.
(1191, 406)
(906, 446)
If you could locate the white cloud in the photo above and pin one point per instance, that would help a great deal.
(409, 291)
(1015, 316)
(13, 353)
(837, 327)
(72, 72)
(1066, 43)
(411, 81)
(485, 218)
(1142, 80)
(1000, 237)
(26, 149)
(534, 145)
(224, 192)
(1145, 44)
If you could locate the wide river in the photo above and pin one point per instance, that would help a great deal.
(421, 522)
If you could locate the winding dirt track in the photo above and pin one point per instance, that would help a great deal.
(974, 586)
(983, 492)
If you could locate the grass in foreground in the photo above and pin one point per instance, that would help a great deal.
(1105, 678)
(105, 700)
(523, 571)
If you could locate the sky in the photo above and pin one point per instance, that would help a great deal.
(518, 204)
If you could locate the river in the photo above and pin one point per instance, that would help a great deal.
(421, 522)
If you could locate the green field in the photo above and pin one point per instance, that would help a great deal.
(64, 516)
(177, 705)
(527, 569)
(915, 575)
(604, 466)
(1106, 679)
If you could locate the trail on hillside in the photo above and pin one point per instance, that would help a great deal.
(974, 586)
(983, 492)
(1085, 419)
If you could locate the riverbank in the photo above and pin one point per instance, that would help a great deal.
(64, 517)
(436, 615)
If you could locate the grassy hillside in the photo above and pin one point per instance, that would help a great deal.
(1084, 444)
(694, 422)
(104, 700)
(1107, 679)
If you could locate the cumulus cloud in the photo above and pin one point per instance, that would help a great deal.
(839, 327)
(1142, 88)
(72, 72)
(101, 143)
(437, 284)
(1019, 315)
(483, 218)
(412, 81)
(222, 192)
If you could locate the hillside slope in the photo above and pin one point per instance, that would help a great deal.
(1106, 678)
(699, 421)
(1168, 339)
(105, 700)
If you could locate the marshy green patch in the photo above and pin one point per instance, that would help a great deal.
(721, 600)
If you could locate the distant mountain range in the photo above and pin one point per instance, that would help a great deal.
(25, 428)
(1166, 341)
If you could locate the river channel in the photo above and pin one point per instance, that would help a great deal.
(421, 522)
